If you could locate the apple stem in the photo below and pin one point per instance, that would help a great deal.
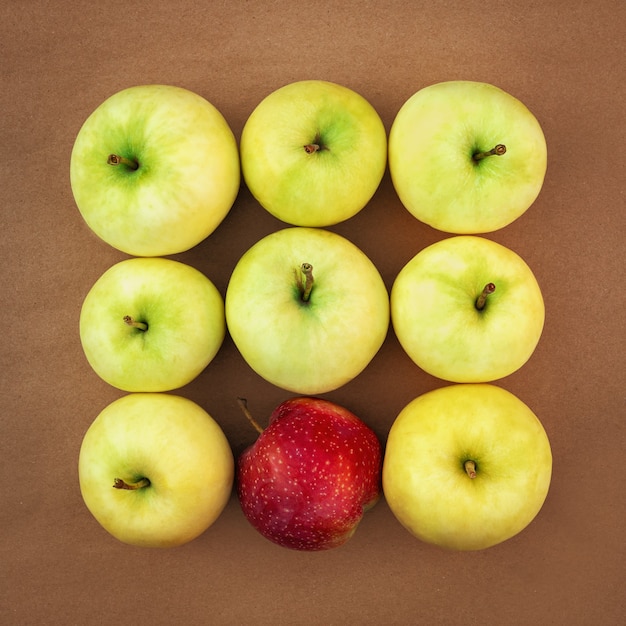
(498, 150)
(307, 270)
(310, 148)
(243, 404)
(116, 159)
(131, 322)
(118, 483)
(482, 298)
(470, 468)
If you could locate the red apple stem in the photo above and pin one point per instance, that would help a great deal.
(118, 483)
(116, 159)
(498, 150)
(131, 322)
(482, 298)
(243, 404)
(470, 468)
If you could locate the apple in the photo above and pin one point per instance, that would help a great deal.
(466, 466)
(307, 480)
(307, 309)
(313, 153)
(467, 309)
(151, 324)
(154, 170)
(466, 157)
(155, 470)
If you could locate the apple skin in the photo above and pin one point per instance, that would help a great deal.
(184, 312)
(188, 175)
(424, 479)
(309, 347)
(178, 447)
(431, 143)
(323, 187)
(436, 321)
(307, 480)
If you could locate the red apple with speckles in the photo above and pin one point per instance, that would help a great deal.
(307, 480)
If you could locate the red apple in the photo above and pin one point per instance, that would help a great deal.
(307, 480)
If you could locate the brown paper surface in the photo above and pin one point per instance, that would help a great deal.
(564, 60)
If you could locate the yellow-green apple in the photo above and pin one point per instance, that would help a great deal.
(154, 170)
(307, 480)
(466, 466)
(151, 324)
(155, 469)
(466, 157)
(307, 309)
(467, 309)
(313, 153)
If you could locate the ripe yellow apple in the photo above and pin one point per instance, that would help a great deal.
(466, 157)
(155, 469)
(467, 309)
(313, 153)
(307, 309)
(151, 324)
(466, 466)
(154, 170)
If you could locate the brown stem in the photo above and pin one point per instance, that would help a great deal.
(243, 404)
(118, 483)
(307, 270)
(116, 159)
(310, 148)
(482, 298)
(498, 150)
(131, 322)
(470, 468)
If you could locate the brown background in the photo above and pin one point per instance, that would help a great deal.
(564, 59)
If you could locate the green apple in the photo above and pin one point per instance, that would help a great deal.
(466, 466)
(467, 309)
(313, 153)
(466, 157)
(155, 470)
(307, 309)
(151, 324)
(154, 170)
